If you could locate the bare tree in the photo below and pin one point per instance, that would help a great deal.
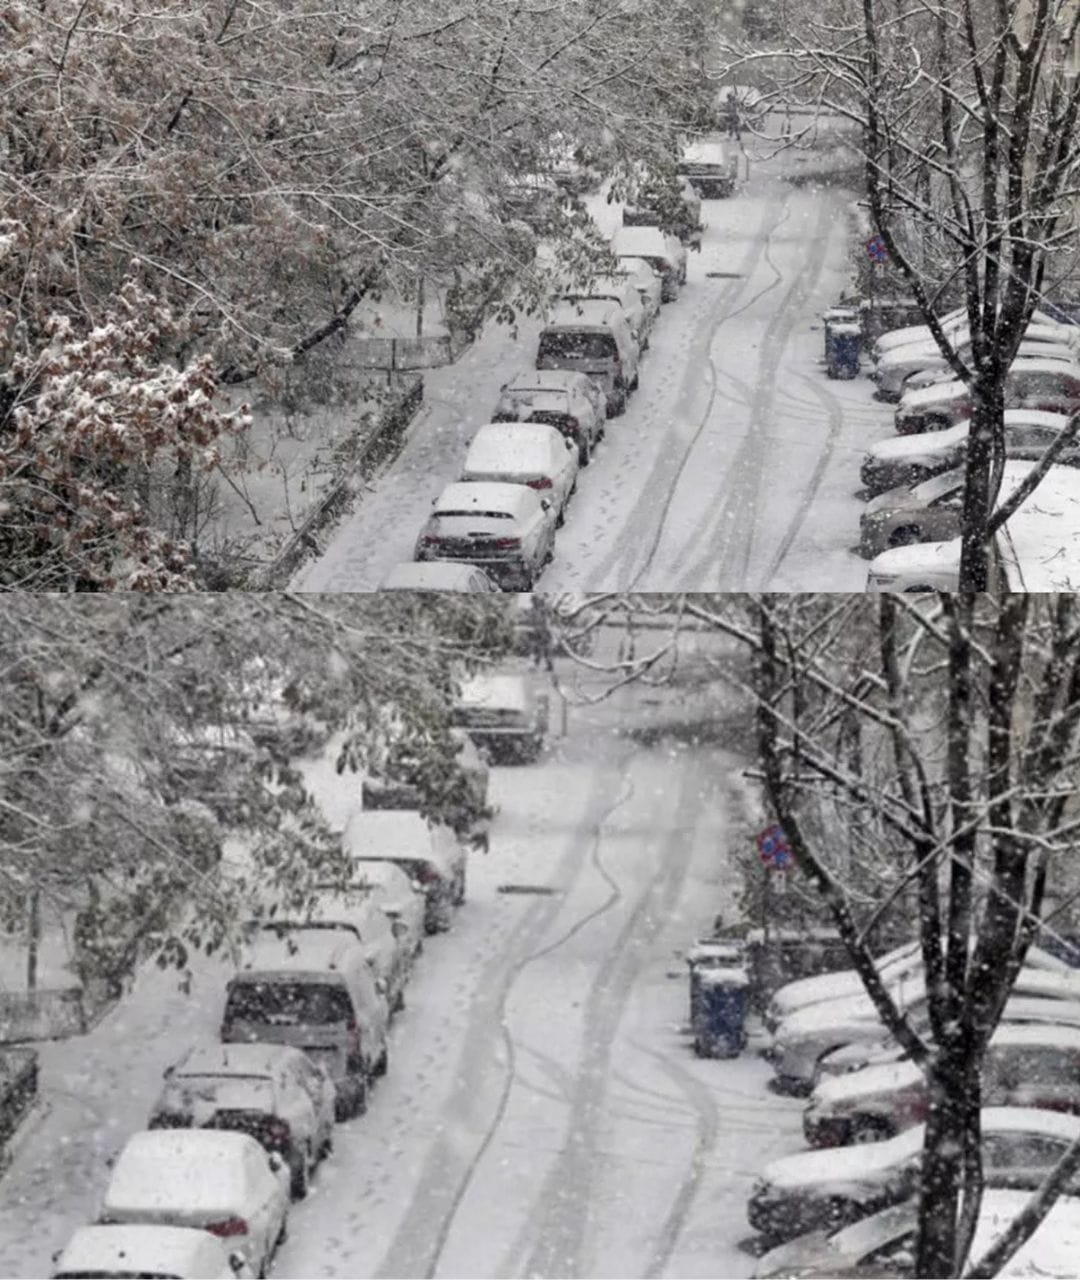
(967, 714)
(965, 114)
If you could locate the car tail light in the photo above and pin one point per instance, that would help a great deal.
(431, 540)
(227, 1227)
(354, 1036)
(278, 1132)
(827, 1132)
(426, 873)
(504, 544)
(541, 482)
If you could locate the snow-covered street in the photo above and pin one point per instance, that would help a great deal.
(543, 1114)
(736, 464)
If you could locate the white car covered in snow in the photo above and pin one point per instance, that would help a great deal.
(224, 1183)
(905, 959)
(824, 1189)
(180, 1253)
(569, 401)
(911, 459)
(951, 323)
(436, 576)
(883, 1244)
(893, 371)
(527, 453)
(803, 1037)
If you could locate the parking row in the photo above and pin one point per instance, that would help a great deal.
(914, 483)
(241, 1125)
(494, 527)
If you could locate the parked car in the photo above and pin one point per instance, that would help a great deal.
(356, 915)
(315, 991)
(662, 252)
(592, 337)
(924, 512)
(618, 290)
(646, 280)
(508, 530)
(896, 368)
(710, 167)
(431, 856)
(272, 1092)
(528, 453)
(951, 323)
(224, 1183)
(571, 402)
(399, 898)
(148, 1249)
(1026, 1065)
(436, 575)
(908, 460)
(674, 208)
(883, 1244)
(825, 1189)
(804, 1036)
(893, 966)
(503, 715)
(1029, 384)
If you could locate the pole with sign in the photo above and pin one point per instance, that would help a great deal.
(777, 858)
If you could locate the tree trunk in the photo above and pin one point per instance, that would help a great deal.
(942, 1178)
(34, 941)
(982, 479)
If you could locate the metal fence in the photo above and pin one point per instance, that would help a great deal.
(407, 354)
(18, 1092)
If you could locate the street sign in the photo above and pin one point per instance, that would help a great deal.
(773, 848)
(875, 247)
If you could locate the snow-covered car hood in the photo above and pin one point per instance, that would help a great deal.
(939, 393)
(833, 1165)
(929, 446)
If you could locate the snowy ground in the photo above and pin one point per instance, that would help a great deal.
(543, 1114)
(736, 464)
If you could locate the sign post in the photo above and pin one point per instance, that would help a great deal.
(777, 858)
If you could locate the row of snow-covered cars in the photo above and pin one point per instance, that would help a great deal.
(494, 528)
(240, 1125)
(847, 1202)
(915, 481)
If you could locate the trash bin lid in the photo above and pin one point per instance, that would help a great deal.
(708, 952)
(846, 330)
(838, 314)
(727, 976)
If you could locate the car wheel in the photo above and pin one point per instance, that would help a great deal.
(327, 1145)
(382, 1064)
(634, 384)
(584, 452)
(399, 1001)
(870, 1129)
(905, 536)
(354, 1103)
(459, 897)
(298, 1179)
(560, 519)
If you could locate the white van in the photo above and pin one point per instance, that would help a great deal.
(503, 716)
(665, 254)
(313, 989)
(1037, 550)
(709, 167)
(432, 856)
(591, 336)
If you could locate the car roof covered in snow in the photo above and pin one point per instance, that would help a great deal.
(922, 443)
(514, 447)
(145, 1249)
(640, 242)
(497, 690)
(393, 833)
(172, 1169)
(477, 498)
(823, 986)
(234, 1060)
(1043, 536)
(940, 392)
(300, 951)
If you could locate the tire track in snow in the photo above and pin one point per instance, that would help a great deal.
(453, 1159)
(665, 475)
(557, 1227)
(733, 521)
(836, 421)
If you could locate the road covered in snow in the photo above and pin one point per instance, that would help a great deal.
(736, 464)
(543, 1113)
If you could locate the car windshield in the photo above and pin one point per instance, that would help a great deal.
(252, 1093)
(579, 343)
(310, 1003)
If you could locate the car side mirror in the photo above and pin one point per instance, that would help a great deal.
(237, 1261)
(380, 986)
(399, 928)
(275, 1162)
(545, 504)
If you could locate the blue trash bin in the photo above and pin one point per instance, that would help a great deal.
(838, 315)
(719, 1022)
(842, 345)
(707, 954)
